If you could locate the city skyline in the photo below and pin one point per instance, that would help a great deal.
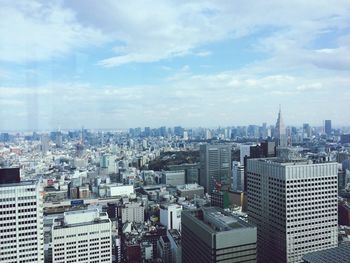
(321, 126)
(161, 63)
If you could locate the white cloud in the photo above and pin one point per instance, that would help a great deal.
(149, 31)
(312, 86)
(306, 61)
(190, 100)
(36, 30)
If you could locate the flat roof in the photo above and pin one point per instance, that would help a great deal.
(287, 162)
(22, 183)
(80, 218)
(217, 220)
(332, 255)
(175, 234)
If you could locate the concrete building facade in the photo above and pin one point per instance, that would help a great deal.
(237, 177)
(213, 235)
(294, 206)
(215, 161)
(21, 225)
(82, 236)
(170, 216)
(133, 212)
(173, 177)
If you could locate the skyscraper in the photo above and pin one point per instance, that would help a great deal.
(21, 214)
(328, 127)
(237, 177)
(294, 206)
(215, 166)
(280, 131)
(44, 143)
(306, 131)
(213, 235)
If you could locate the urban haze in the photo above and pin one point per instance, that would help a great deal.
(174, 131)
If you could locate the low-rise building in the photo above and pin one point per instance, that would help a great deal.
(133, 212)
(173, 177)
(190, 190)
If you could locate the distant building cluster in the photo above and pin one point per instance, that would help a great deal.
(236, 194)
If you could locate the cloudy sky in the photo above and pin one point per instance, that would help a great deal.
(119, 64)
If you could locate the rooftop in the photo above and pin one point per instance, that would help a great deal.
(217, 220)
(81, 217)
(22, 183)
(189, 187)
(288, 162)
(332, 255)
(175, 234)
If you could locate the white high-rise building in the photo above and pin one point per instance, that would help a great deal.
(170, 216)
(21, 225)
(82, 236)
(293, 203)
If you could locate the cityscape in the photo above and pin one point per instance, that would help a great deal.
(253, 193)
(174, 131)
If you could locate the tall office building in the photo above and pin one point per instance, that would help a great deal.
(293, 203)
(44, 143)
(306, 131)
(237, 177)
(21, 214)
(244, 151)
(210, 234)
(280, 131)
(328, 127)
(215, 166)
(82, 236)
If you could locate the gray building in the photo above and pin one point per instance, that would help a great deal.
(164, 249)
(215, 166)
(175, 245)
(293, 203)
(213, 235)
(190, 190)
(345, 138)
(44, 146)
(173, 177)
(191, 171)
(280, 131)
(328, 127)
(332, 255)
(237, 177)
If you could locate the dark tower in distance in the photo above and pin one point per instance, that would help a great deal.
(328, 127)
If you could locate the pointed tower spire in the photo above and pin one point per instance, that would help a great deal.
(280, 130)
